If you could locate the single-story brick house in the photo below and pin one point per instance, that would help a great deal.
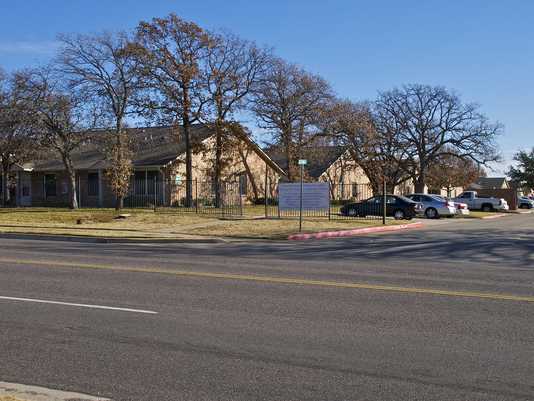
(159, 170)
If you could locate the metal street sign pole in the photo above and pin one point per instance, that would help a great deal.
(302, 163)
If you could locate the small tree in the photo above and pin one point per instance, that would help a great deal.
(450, 172)
(523, 173)
(119, 153)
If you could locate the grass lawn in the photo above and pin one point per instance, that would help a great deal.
(149, 225)
(281, 228)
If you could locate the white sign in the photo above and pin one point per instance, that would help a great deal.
(315, 196)
(303, 162)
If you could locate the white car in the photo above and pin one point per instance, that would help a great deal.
(462, 209)
(434, 206)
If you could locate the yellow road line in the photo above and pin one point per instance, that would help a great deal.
(279, 280)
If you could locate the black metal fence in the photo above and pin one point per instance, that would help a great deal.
(229, 200)
(193, 196)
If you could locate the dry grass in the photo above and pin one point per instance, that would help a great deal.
(9, 398)
(143, 224)
(274, 228)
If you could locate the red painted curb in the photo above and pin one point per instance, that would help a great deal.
(349, 233)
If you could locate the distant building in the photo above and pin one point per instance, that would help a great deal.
(489, 183)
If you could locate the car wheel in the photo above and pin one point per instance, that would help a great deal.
(398, 215)
(351, 212)
(431, 213)
(487, 208)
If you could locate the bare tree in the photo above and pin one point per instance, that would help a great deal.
(232, 69)
(61, 116)
(104, 67)
(170, 51)
(374, 148)
(287, 103)
(17, 142)
(432, 122)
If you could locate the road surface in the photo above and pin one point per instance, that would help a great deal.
(443, 313)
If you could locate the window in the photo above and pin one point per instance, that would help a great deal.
(50, 185)
(92, 184)
(243, 184)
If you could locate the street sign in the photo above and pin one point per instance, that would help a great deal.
(303, 162)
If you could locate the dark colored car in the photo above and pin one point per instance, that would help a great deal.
(398, 207)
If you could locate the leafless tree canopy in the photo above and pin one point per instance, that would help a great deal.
(287, 103)
(105, 67)
(431, 122)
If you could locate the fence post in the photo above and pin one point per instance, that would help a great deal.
(330, 189)
(265, 190)
(196, 196)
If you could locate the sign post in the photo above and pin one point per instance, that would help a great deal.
(302, 163)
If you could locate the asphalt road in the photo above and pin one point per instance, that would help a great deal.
(443, 313)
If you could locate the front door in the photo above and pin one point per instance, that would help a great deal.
(25, 189)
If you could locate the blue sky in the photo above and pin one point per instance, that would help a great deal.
(482, 49)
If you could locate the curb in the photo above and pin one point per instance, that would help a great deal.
(109, 240)
(495, 216)
(350, 233)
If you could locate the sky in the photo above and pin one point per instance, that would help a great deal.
(484, 50)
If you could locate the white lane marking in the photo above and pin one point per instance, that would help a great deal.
(44, 301)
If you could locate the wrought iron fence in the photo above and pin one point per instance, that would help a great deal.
(192, 196)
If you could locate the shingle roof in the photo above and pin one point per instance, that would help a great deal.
(154, 146)
(319, 158)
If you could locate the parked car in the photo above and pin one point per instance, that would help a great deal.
(486, 204)
(524, 202)
(434, 207)
(461, 208)
(398, 207)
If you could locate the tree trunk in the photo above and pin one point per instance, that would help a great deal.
(420, 183)
(71, 174)
(218, 168)
(5, 186)
(250, 175)
(188, 151)
(289, 157)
